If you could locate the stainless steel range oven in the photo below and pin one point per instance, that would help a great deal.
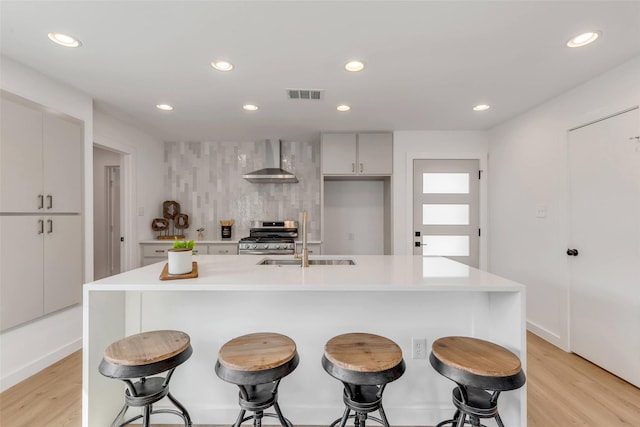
(270, 238)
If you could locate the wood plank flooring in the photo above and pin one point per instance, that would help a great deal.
(563, 389)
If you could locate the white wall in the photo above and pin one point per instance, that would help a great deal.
(141, 178)
(410, 145)
(528, 163)
(24, 350)
(353, 218)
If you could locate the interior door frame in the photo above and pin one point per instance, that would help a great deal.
(129, 248)
(482, 157)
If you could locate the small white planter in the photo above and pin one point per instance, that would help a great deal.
(180, 261)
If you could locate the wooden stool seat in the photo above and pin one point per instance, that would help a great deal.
(365, 364)
(256, 363)
(139, 357)
(363, 352)
(257, 352)
(481, 371)
(146, 348)
(476, 356)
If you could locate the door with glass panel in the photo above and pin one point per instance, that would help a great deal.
(446, 209)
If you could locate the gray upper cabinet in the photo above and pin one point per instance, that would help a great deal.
(40, 159)
(345, 154)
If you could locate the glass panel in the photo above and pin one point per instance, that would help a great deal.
(445, 245)
(445, 183)
(445, 214)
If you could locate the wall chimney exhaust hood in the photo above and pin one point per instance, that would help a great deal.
(273, 172)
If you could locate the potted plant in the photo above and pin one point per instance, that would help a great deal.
(180, 256)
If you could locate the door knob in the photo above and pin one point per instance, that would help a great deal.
(572, 252)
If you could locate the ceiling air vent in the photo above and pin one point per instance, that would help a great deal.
(305, 94)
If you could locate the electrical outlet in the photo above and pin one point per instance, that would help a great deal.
(418, 348)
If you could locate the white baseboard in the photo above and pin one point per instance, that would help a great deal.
(547, 335)
(35, 366)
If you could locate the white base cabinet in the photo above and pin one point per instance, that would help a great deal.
(156, 251)
(40, 264)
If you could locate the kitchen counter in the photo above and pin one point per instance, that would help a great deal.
(401, 297)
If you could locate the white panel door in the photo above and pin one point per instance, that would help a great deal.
(446, 209)
(604, 176)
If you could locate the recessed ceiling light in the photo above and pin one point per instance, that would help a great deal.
(343, 108)
(222, 65)
(64, 40)
(481, 107)
(164, 107)
(583, 39)
(354, 66)
(250, 107)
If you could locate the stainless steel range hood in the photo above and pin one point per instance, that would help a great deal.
(273, 173)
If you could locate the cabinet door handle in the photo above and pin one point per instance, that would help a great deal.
(50, 223)
(160, 251)
(40, 201)
(361, 168)
(353, 167)
(40, 226)
(49, 201)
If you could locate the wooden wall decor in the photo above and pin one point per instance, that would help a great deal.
(159, 224)
(172, 219)
(170, 209)
(181, 221)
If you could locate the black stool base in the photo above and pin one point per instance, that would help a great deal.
(477, 404)
(143, 394)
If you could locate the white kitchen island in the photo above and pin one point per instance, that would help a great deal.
(400, 297)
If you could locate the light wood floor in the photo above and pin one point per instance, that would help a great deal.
(563, 390)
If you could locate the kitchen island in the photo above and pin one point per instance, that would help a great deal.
(400, 297)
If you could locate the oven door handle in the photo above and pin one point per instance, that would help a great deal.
(246, 252)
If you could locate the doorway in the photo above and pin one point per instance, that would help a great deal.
(604, 243)
(107, 213)
(446, 209)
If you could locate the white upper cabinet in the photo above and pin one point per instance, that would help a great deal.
(357, 154)
(375, 153)
(21, 173)
(40, 159)
(62, 162)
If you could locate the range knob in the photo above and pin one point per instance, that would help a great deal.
(253, 246)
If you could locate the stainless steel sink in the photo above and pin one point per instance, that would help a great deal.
(297, 262)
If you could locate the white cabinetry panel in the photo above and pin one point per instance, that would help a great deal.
(62, 164)
(21, 269)
(20, 158)
(347, 154)
(62, 262)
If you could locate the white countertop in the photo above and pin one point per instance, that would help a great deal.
(198, 242)
(371, 273)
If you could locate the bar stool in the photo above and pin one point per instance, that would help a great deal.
(256, 363)
(481, 370)
(139, 356)
(365, 364)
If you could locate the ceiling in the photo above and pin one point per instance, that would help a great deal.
(427, 62)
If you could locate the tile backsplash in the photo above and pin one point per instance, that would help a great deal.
(206, 179)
